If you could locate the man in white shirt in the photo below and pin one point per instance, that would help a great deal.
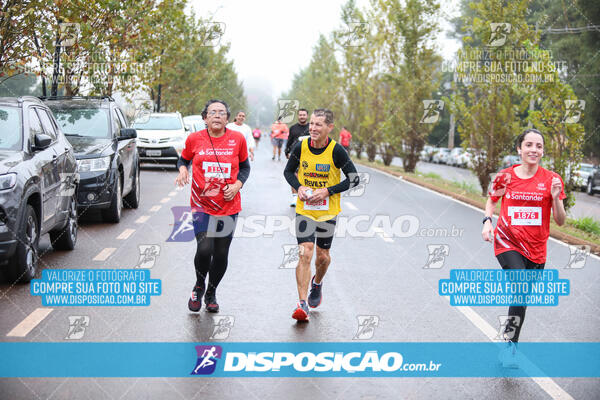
(239, 125)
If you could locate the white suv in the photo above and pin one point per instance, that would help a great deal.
(160, 137)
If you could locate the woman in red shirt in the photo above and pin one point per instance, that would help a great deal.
(220, 168)
(529, 194)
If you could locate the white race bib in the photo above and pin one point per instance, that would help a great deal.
(317, 205)
(525, 215)
(213, 170)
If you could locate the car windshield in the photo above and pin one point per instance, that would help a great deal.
(586, 168)
(10, 128)
(158, 123)
(90, 122)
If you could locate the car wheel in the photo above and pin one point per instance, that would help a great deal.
(589, 189)
(132, 200)
(65, 238)
(23, 264)
(113, 212)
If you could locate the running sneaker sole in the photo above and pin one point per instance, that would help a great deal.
(300, 315)
(193, 307)
(213, 308)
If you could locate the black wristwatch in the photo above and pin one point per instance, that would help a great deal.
(486, 218)
(330, 191)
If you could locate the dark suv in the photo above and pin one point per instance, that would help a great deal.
(38, 185)
(106, 153)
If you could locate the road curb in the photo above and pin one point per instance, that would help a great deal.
(564, 237)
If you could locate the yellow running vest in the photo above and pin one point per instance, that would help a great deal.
(315, 172)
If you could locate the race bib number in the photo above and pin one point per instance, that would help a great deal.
(317, 205)
(214, 170)
(525, 215)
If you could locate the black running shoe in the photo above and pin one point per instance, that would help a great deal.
(195, 301)
(210, 299)
(316, 295)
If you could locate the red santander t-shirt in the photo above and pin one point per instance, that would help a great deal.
(524, 222)
(212, 170)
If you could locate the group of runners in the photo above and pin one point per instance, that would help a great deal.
(220, 158)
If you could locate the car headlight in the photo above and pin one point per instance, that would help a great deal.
(93, 164)
(8, 181)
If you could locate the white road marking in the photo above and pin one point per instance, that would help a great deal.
(104, 254)
(350, 206)
(547, 384)
(142, 219)
(165, 200)
(171, 194)
(30, 322)
(155, 208)
(125, 234)
(383, 235)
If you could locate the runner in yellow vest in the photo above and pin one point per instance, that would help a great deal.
(318, 161)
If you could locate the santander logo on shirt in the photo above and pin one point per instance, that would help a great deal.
(526, 196)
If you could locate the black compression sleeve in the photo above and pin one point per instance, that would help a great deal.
(244, 171)
(342, 160)
(183, 161)
(292, 166)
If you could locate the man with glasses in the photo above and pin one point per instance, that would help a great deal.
(221, 166)
(318, 161)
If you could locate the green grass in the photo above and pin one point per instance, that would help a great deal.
(586, 224)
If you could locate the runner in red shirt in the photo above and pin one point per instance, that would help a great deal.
(220, 168)
(529, 195)
(345, 137)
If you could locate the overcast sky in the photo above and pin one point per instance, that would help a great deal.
(273, 40)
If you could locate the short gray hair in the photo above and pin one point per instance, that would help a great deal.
(327, 113)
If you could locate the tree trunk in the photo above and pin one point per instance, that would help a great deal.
(56, 70)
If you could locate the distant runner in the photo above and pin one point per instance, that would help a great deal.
(239, 125)
(298, 132)
(318, 161)
(279, 133)
(256, 133)
(345, 137)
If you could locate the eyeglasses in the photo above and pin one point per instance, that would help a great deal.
(212, 113)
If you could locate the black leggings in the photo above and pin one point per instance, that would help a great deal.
(212, 252)
(515, 260)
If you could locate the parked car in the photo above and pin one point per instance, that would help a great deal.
(194, 123)
(593, 182)
(161, 137)
(38, 185)
(426, 153)
(452, 158)
(441, 156)
(105, 149)
(582, 174)
(463, 160)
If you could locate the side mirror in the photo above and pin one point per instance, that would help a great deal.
(127, 133)
(41, 142)
(188, 128)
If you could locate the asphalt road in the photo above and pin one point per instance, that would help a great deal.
(585, 205)
(381, 275)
